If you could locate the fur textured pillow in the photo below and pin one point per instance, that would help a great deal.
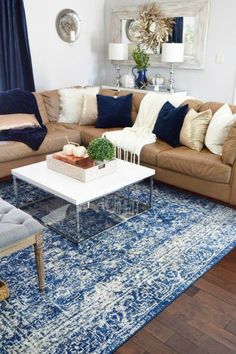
(71, 102)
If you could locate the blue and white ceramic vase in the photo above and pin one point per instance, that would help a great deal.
(141, 78)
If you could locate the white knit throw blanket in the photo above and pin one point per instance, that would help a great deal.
(131, 140)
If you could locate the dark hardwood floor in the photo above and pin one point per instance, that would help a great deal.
(202, 320)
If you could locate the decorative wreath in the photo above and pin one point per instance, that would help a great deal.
(153, 29)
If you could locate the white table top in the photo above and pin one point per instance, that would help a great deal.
(77, 192)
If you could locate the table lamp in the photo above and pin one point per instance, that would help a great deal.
(172, 53)
(118, 52)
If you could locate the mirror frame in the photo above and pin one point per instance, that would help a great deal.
(197, 8)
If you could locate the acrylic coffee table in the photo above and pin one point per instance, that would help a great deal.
(54, 208)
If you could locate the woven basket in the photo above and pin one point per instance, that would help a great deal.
(4, 292)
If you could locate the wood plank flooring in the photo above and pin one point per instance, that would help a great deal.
(202, 320)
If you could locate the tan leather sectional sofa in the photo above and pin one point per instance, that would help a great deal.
(201, 172)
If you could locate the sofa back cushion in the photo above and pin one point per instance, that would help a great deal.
(41, 107)
(52, 104)
(214, 106)
(137, 98)
(193, 104)
(229, 147)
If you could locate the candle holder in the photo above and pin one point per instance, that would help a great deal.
(68, 25)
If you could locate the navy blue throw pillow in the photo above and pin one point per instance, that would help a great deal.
(169, 123)
(19, 101)
(114, 111)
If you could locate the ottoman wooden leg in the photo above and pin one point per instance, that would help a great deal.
(38, 249)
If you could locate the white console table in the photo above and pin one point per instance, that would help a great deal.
(148, 89)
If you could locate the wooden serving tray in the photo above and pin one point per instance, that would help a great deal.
(83, 162)
(80, 168)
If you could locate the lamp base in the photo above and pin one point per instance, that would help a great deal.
(118, 75)
(170, 88)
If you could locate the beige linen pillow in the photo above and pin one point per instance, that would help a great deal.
(218, 129)
(71, 102)
(194, 129)
(90, 110)
(18, 121)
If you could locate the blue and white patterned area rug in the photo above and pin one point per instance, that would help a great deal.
(102, 291)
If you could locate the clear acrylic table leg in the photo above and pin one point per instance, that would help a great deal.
(77, 223)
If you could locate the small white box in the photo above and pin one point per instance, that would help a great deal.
(82, 174)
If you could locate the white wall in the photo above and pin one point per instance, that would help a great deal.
(56, 63)
(216, 81)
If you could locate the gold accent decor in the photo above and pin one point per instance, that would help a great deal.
(152, 27)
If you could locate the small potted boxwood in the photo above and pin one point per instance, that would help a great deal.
(100, 150)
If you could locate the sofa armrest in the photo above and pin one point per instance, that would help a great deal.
(233, 186)
(229, 147)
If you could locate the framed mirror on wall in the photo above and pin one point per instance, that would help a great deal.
(193, 16)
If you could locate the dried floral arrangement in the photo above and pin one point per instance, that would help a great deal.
(152, 27)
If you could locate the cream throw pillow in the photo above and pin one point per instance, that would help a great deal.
(194, 129)
(90, 110)
(219, 128)
(71, 102)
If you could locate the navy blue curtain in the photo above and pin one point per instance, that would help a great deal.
(15, 60)
(177, 33)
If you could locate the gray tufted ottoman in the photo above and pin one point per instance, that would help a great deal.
(19, 230)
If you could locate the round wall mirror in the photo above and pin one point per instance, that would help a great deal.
(68, 25)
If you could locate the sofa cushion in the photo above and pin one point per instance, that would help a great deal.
(41, 107)
(114, 111)
(71, 104)
(136, 101)
(193, 104)
(54, 141)
(229, 147)
(214, 106)
(194, 129)
(169, 123)
(52, 103)
(19, 101)
(150, 151)
(72, 101)
(89, 132)
(18, 121)
(90, 110)
(218, 129)
(203, 164)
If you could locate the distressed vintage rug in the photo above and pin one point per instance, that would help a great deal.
(102, 291)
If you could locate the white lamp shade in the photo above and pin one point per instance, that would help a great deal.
(118, 51)
(172, 52)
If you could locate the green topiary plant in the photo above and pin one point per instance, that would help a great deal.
(140, 57)
(101, 149)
